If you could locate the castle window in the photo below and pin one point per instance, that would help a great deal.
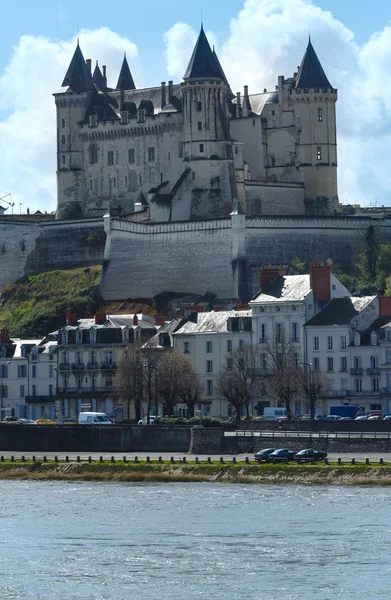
(126, 182)
(253, 122)
(63, 159)
(93, 154)
(110, 157)
(63, 139)
(199, 125)
(201, 147)
(199, 106)
(151, 154)
(319, 153)
(131, 155)
(320, 114)
(62, 122)
(91, 185)
(114, 182)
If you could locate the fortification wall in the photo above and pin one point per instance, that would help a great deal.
(143, 260)
(27, 248)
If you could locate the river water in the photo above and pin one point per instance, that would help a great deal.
(109, 541)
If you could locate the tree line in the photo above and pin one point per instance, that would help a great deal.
(271, 370)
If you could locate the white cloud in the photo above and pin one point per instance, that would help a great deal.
(27, 133)
(180, 40)
(268, 38)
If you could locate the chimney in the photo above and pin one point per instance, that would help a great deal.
(245, 102)
(268, 273)
(164, 102)
(135, 320)
(237, 105)
(170, 90)
(70, 317)
(384, 306)
(4, 336)
(320, 282)
(88, 63)
(160, 320)
(100, 317)
(104, 74)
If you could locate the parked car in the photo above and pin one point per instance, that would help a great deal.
(282, 455)
(144, 420)
(11, 419)
(375, 417)
(305, 418)
(26, 422)
(310, 455)
(320, 417)
(263, 455)
(361, 418)
(387, 418)
(332, 418)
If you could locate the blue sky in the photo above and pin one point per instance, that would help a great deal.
(257, 40)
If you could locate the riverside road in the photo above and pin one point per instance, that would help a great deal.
(178, 457)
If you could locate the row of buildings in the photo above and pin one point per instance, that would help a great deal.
(347, 338)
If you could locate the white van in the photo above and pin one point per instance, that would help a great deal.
(272, 413)
(93, 418)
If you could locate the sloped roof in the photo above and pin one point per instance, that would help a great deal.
(203, 63)
(169, 328)
(78, 77)
(340, 311)
(285, 288)
(98, 78)
(213, 322)
(125, 79)
(311, 73)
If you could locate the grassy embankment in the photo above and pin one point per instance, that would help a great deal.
(239, 472)
(36, 305)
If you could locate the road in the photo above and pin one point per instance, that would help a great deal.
(383, 435)
(178, 457)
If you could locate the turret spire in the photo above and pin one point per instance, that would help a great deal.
(78, 77)
(98, 78)
(125, 79)
(203, 63)
(311, 73)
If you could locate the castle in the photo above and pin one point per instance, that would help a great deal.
(188, 151)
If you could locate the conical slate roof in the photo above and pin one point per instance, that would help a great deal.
(203, 63)
(125, 79)
(98, 78)
(230, 93)
(78, 77)
(311, 74)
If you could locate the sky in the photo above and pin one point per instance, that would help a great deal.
(256, 40)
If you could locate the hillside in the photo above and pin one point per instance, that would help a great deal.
(36, 305)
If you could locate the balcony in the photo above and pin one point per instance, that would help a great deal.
(73, 392)
(108, 366)
(64, 366)
(92, 366)
(335, 394)
(375, 371)
(364, 394)
(39, 399)
(78, 366)
(356, 372)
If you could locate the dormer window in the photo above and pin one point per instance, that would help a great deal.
(51, 353)
(357, 339)
(92, 121)
(388, 334)
(92, 335)
(3, 352)
(141, 115)
(65, 336)
(124, 335)
(229, 325)
(373, 338)
(241, 325)
(79, 336)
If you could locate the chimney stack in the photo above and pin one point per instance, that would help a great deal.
(88, 63)
(104, 74)
(135, 320)
(160, 320)
(384, 306)
(246, 102)
(170, 90)
(268, 273)
(100, 318)
(4, 336)
(164, 102)
(237, 105)
(70, 317)
(320, 275)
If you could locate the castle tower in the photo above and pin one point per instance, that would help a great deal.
(313, 99)
(207, 145)
(71, 101)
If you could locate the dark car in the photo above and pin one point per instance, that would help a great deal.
(263, 455)
(282, 455)
(11, 419)
(310, 455)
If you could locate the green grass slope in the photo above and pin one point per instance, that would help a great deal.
(36, 305)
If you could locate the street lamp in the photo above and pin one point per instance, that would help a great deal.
(2, 365)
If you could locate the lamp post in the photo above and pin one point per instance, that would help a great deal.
(2, 365)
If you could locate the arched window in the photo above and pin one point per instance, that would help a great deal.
(93, 153)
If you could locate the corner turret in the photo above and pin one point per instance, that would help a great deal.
(125, 79)
(78, 77)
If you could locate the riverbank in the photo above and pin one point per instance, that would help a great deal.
(332, 474)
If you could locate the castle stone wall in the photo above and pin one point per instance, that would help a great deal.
(17, 242)
(275, 198)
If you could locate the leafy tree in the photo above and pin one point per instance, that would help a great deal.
(299, 266)
(239, 384)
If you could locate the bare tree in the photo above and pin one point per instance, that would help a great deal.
(170, 380)
(282, 376)
(149, 360)
(239, 383)
(191, 389)
(313, 384)
(128, 381)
